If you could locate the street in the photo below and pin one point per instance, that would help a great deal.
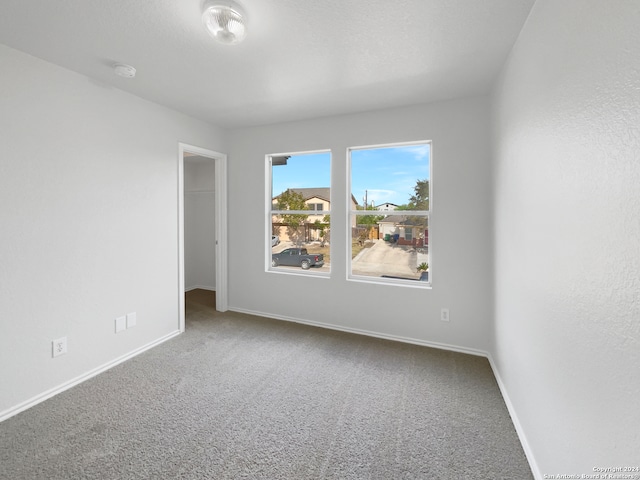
(383, 258)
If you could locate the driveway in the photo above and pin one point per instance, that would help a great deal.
(385, 258)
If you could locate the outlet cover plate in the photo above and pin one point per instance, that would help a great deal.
(59, 346)
(132, 319)
(444, 314)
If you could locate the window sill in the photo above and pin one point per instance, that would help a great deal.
(391, 281)
(297, 271)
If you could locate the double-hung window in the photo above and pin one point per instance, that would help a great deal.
(389, 209)
(298, 212)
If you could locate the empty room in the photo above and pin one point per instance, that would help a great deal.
(286, 239)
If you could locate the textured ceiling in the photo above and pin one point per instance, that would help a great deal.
(301, 58)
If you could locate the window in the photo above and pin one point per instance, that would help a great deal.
(408, 234)
(390, 245)
(299, 208)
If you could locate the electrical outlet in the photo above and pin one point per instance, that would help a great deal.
(59, 346)
(131, 319)
(121, 324)
(444, 314)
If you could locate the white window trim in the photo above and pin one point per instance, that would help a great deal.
(269, 211)
(427, 213)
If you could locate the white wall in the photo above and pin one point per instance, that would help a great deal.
(88, 209)
(460, 231)
(567, 234)
(199, 224)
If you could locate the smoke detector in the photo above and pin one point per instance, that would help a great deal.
(122, 70)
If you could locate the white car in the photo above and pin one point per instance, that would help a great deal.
(275, 240)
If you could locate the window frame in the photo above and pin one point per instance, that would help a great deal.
(423, 213)
(408, 233)
(270, 212)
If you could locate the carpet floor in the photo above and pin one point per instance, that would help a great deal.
(242, 397)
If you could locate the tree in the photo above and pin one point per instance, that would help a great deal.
(291, 200)
(323, 230)
(368, 219)
(365, 224)
(420, 199)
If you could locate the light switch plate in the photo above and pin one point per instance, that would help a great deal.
(121, 324)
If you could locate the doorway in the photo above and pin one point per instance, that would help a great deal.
(202, 224)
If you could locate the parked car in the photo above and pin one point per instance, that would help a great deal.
(297, 257)
(275, 240)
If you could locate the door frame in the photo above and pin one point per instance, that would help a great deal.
(220, 159)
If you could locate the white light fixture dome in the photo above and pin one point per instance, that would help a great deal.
(225, 21)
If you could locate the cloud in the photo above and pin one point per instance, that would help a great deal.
(381, 196)
(419, 152)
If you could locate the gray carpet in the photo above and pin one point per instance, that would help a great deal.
(246, 397)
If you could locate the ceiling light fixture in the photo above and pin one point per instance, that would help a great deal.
(225, 21)
(126, 71)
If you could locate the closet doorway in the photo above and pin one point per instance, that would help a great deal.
(202, 226)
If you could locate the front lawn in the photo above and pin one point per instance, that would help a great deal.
(356, 248)
(316, 248)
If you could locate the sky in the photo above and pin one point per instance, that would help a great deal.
(387, 174)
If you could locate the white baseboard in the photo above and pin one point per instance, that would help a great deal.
(86, 376)
(200, 287)
(368, 333)
(516, 422)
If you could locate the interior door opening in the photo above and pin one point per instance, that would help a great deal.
(202, 226)
(199, 230)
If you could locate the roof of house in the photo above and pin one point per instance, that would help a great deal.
(323, 193)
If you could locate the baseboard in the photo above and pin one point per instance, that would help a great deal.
(368, 333)
(86, 376)
(516, 422)
(200, 287)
